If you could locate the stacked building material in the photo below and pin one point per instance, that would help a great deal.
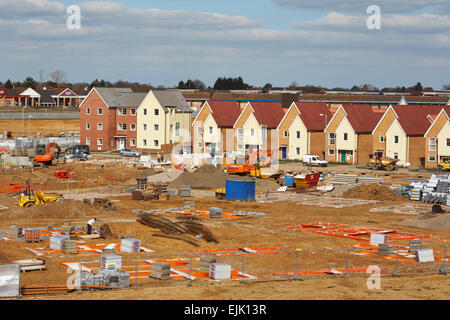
(205, 262)
(130, 245)
(160, 270)
(69, 246)
(32, 234)
(414, 244)
(164, 188)
(215, 213)
(185, 191)
(424, 255)
(105, 278)
(385, 249)
(368, 180)
(189, 206)
(110, 261)
(443, 186)
(344, 179)
(219, 271)
(15, 231)
(415, 194)
(57, 242)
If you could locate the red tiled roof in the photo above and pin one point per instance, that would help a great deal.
(268, 113)
(225, 113)
(414, 119)
(310, 114)
(361, 117)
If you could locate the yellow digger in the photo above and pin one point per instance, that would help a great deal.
(27, 198)
(380, 163)
(444, 163)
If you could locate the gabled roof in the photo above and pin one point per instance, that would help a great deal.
(172, 99)
(113, 97)
(46, 96)
(268, 113)
(361, 117)
(415, 120)
(225, 113)
(310, 115)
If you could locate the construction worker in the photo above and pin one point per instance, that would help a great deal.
(90, 224)
(162, 156)
(158, 156)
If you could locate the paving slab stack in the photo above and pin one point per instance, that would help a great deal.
(111, 261)
(205, 262)
(189, 206)
(435, 190)
(219, 271)
(369, 180)
(414, 244)
(185, 191)
(215, 213)
(130, 245)
(385, 249)
(15, 231)
(344, 179)
(160, 270)
(69, 246)
(106, 278)
(57, 242)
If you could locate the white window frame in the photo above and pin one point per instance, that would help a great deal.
(122, 111)
(133, 111)
(263, 132)
(88, 111)
(429, 158)
(240, 134)
(145, 127)
(156, 143)
(395, 155)
(88, 126)
(432, 144)
(298, 134)
(132, 142)
(240, 146)
(397, 139)
(252, 132)
(132, 126)
(144, 142)
(297, 151)
(99, 141)
(199, 145)
(156, 112)
(345, 136)
(121, 126)
(331, 140)
(381, 138)
(88, 141)
(331, 153)
(285, 134)
(210, 130)
(144, 111)
(200, 133)
(99, 126)
(100, 111)
(156, 127)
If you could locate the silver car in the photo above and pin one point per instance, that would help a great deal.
(129, 153)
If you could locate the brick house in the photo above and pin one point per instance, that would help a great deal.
(108, 118)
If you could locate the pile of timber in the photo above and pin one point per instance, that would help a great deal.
(35, 289)
(100, 203)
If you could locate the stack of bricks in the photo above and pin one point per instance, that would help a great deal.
(415, 244)
(15, 231)
(160, 270)
(189, 206)
(69, 246)
(385, 249)
(205, 262)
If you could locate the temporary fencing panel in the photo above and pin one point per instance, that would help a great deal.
(9, 280)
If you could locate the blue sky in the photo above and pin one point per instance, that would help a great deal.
(322, 42)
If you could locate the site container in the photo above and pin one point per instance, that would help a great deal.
(240, 190)
(289, 181)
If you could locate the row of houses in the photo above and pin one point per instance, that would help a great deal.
(50, 98)
(116, 118)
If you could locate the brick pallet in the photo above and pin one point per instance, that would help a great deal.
(160, 270)
(205, 262)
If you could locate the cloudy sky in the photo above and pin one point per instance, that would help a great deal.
(319, 42)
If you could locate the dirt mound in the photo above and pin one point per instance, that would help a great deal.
(210, 177)
(372, 192)
(66, 209)
(441, 222)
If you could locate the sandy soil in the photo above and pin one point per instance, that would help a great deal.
(45, 127)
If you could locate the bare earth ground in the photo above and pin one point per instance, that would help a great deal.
(260, 231)
(45, 127)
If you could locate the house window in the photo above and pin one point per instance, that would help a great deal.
(199, 145)
(145, 112)
(331, 138)
(133, 142)
(252, 132)
(99, 141)
(264, 132)
(133, 111)
(240, 134)
(122, 112)
(99, 126)
(200, 133)
(240, 147)
(133, 127)
(297, 150)
(144, 142)
(100, 111)
(381, 138)
(122, 126)
(156, 127)
(156, 112)
(285, 134)
(211, 130)
(88, 140)
(88, 111)
(177, 129)
(395, 155)
(298, 134)
(431, 158)
(395, 139)
(145, 127)
(448, 142)
(432, 144)
(88, 126)
(331, 152)
(156, 143)
(345, 136)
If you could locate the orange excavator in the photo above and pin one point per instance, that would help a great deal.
(254, 162)
(46, 154)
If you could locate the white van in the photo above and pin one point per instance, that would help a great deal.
(313, 160)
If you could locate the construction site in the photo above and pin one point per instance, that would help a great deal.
(164, 231)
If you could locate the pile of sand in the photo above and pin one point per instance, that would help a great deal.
(372, 192)
(210, 177)
(441, 222)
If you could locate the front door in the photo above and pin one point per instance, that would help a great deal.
(343, 156)
(121, 143)
(283, 152)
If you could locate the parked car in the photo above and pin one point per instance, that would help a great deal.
(82, 148)
(313, 160)
(129, 153)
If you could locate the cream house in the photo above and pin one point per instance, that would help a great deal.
(163, 118)
(437, 139)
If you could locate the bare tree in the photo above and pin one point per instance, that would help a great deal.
(58, 76)
(42, 76)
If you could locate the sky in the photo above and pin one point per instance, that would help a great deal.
(321, 42)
